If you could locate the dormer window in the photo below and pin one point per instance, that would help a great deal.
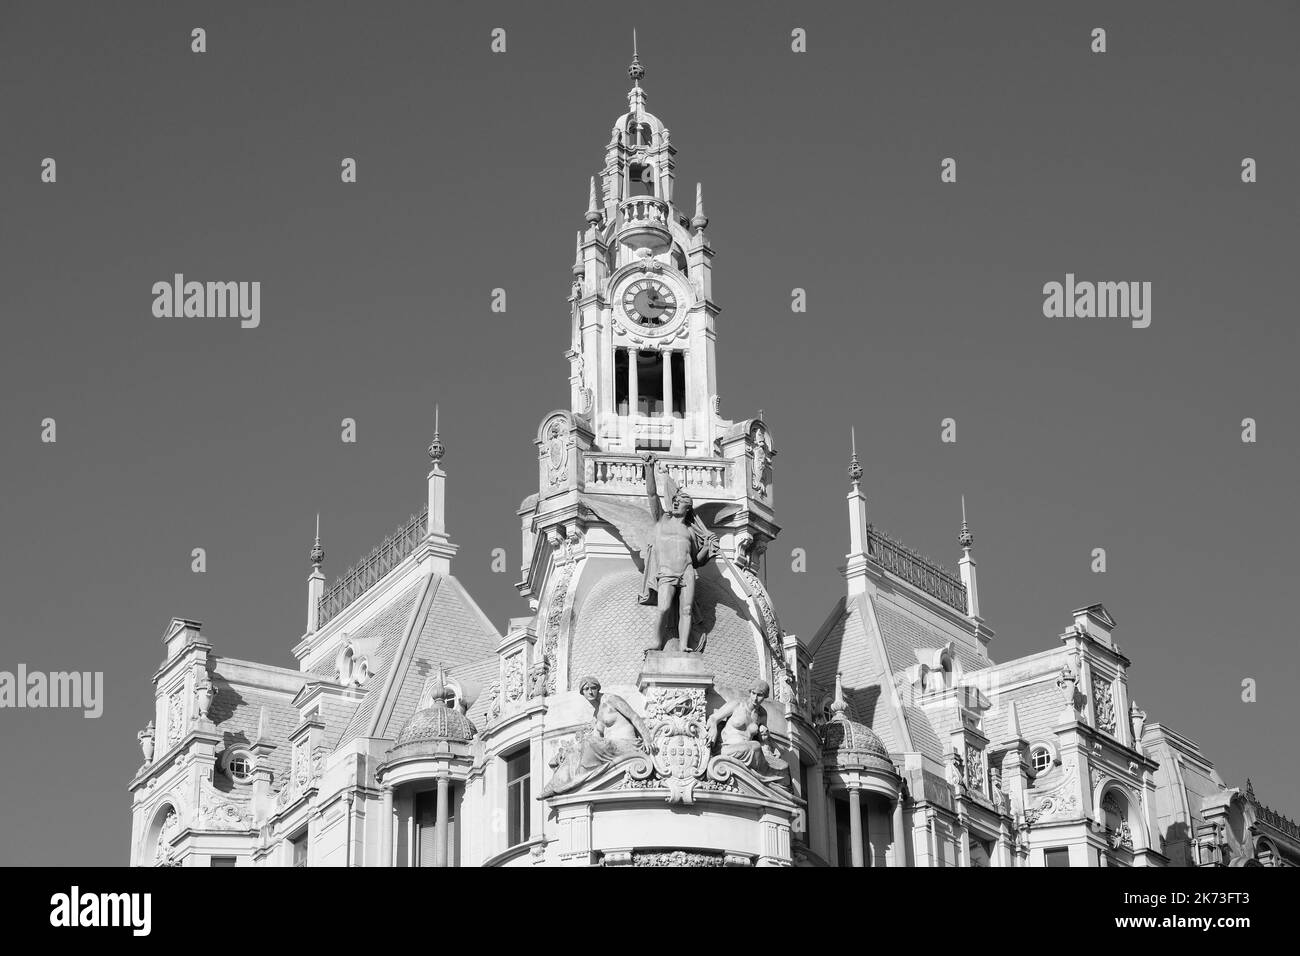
(238, 765)
(1041, 759)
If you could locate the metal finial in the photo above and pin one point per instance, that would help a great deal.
(317, 552)
(635, 71)
(855, 469)
(965, 539)
(436, 447)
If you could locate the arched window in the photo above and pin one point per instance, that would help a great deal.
(640, 180)
(157, 843)
(1114, 814)
(639, 135)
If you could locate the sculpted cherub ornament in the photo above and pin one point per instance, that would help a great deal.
(673, 542)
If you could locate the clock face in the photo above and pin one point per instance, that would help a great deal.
(649, 302)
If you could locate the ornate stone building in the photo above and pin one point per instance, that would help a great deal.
(650, 709)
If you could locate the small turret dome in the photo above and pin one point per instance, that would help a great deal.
(435, 722)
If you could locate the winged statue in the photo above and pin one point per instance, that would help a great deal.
(672, 543)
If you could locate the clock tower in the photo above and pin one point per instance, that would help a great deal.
(643, 376)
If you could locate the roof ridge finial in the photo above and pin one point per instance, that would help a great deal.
(436, 447)
(839, 706)
(965, 539)
(855, 468)
(317, 552)
(636, 70)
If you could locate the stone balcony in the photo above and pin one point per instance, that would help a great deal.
(643, 219)
(625, 475)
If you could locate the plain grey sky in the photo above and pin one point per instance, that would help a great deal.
(820, 170)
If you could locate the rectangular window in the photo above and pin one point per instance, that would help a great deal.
(518, 797)
(650, 384)
(620, 381)
(678, 360)
(222, 861)
(299, 845)
(1056, 856)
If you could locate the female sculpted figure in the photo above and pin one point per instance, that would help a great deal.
(614, 733)
(744, 733)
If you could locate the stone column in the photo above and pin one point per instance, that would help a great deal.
(816, 797)
(410, 835)
(855, 824)
(631, 399)
(440, 826)
(386, 834)
(900, 838)
(668, 387)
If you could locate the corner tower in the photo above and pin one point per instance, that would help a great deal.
(643, 369)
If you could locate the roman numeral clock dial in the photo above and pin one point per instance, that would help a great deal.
(649, 303)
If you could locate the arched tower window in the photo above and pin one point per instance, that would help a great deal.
(640, 180)
(639, 135)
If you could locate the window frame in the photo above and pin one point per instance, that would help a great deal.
(518, 791)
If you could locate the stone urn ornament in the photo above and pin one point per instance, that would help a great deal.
(146, 738)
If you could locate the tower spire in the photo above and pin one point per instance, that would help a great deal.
(436, 447)
(593, 210)
(699, 220)
(317, 552)
(965, 539)
(855, 468)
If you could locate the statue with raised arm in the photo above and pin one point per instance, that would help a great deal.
(613, 733)
(672, 541)
(745, 735)
(679, 544)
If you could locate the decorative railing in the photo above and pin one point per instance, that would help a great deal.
(1274, 819)
(643, 210)
(367, 572)
(626, 474)
(907, 565)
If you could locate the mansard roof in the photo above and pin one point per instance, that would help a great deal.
(433, 622)
(876, 643)
(238, 703)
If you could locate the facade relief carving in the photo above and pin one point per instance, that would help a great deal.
(745, 738)
(1103, 699)
(175, 718)
(616, 731)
